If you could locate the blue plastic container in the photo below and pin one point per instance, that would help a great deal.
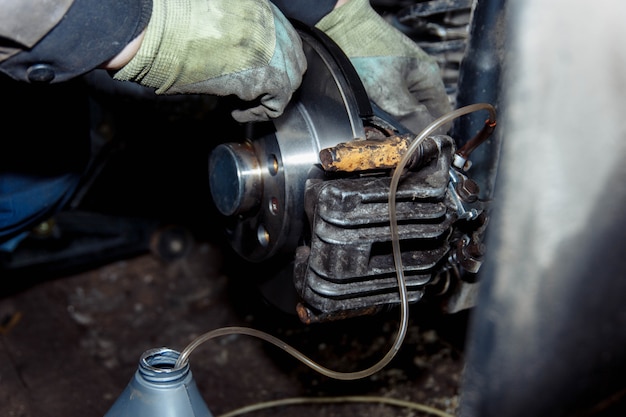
(159, 390)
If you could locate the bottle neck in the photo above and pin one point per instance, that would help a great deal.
(159, 366)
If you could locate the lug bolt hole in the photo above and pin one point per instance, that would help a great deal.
(274, 206)
(272, 164)
(263, 236)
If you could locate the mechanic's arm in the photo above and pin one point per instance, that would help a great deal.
(125, 55)
(43, 41)
(245, 48)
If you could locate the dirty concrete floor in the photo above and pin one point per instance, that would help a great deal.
(69, 345)
(70, 339)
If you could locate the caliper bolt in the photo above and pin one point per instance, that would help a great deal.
(468, 190)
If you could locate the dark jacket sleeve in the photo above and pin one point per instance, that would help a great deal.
(89, 33)
(306, 11)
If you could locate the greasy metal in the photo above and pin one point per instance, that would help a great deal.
(467, 189)
(467, 207)
(470, 254)
(325, 112)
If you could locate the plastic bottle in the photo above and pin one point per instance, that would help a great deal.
(159, 389)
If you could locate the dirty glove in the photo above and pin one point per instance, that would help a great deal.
(398, 76)
(219, 47)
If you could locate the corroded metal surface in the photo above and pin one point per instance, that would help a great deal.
(363, 155)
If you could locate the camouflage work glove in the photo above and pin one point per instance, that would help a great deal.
(397, 74)
(219, 47)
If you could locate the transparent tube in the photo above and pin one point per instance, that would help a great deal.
(338, 400)
(395, 241)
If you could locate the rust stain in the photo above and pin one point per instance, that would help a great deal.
(363, 155)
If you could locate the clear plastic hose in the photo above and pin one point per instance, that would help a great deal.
(338, 400)
(395, 241)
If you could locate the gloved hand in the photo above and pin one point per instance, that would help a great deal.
(220, 47)
(397, 74)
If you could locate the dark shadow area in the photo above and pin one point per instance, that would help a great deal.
(111, 169)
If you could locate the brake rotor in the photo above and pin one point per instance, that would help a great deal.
(258, 184)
